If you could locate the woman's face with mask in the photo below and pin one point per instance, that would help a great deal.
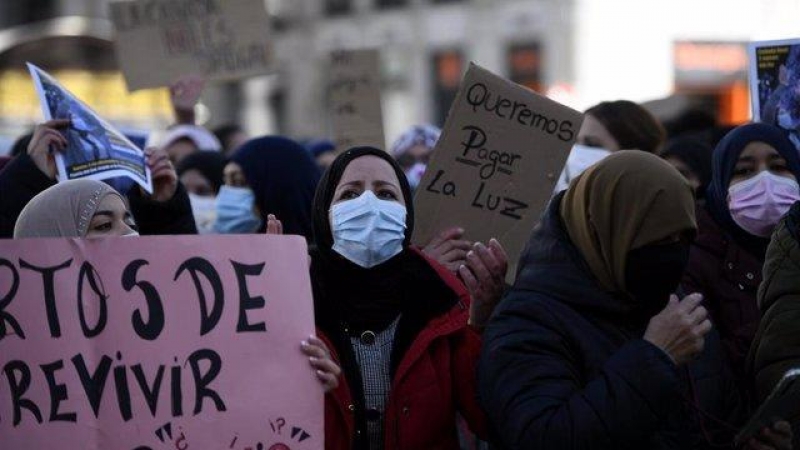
(236, 210)
(196, 183)
(594, 134)
(758, 157)
(233, 175)
(111, 218)
(368, 213)
(369, 173)
(654, 271)
(762, 189)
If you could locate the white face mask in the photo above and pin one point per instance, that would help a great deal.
(580, 158)
(368, 231)
(204, 209)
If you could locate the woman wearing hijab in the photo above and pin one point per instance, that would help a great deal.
(692, 158)
(396, 320)
(76, 208)
(754, 182)
(267, 176)
(91, 209)
(577, 355)
(201, 174)
(413, 150)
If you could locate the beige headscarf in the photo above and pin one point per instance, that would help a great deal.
(63, 210)
(627, 201)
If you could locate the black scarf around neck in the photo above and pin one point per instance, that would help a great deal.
(363, 299)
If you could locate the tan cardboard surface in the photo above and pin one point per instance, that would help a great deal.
(496, 163)
(159, 41)
(355, 99)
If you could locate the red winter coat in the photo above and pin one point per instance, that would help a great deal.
(435, 380)
(728, 277)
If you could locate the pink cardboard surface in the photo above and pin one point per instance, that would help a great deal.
(157, 343)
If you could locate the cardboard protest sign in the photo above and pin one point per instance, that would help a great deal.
(151, 343)
(775, 84)
(355, 99)
(496, 163)
(95, 149)
(159, 41)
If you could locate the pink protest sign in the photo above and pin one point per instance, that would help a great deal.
(153, 343)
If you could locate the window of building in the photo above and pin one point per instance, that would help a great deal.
(448, 68)
(22, 12)
(524, 65)
(390, 3)
(338, 7)
(713, 77)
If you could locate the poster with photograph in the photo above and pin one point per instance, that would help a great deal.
(95, 149)
(775, 84)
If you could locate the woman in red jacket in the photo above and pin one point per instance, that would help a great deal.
(396, 321)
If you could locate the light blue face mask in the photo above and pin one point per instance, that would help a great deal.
(368, 231)
(235, 213)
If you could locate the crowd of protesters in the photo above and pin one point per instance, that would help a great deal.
(655, 306)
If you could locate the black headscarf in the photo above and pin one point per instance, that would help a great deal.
(723, 164)
(209, 164)
(283, 177)
(349, 299)
(364, 298)
(696, 154)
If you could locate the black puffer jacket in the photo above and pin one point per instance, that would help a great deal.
(21, 180)
(564, 365)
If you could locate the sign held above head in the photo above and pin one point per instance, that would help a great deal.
(354, 90)
(95, 149)
(161, 41)
(496, 163)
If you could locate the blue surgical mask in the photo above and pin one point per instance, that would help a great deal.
(235, 214)
(368, 231)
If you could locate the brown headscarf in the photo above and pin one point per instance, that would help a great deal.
(627, 201)
(63, 210)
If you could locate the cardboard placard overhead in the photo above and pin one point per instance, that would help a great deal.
(496, 163)
(159, 41)
(96, 149)
(355, 99)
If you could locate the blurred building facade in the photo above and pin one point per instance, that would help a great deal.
(579, 52)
